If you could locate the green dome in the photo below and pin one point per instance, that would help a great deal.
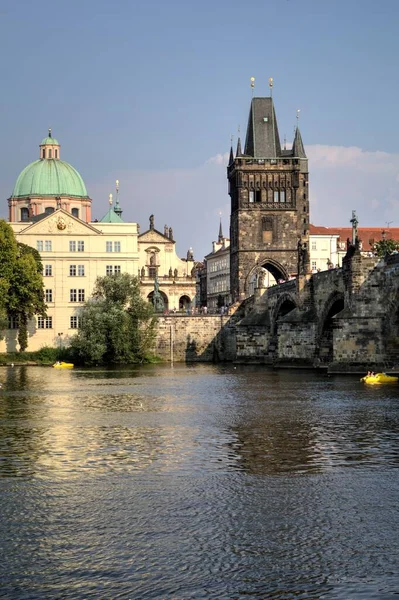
(49, 140)
(49, 178)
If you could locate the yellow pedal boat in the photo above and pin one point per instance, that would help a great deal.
(63, 365)
(379, 378)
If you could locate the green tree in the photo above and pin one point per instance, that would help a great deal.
(21, 282)
(117, 325)
(384, 247)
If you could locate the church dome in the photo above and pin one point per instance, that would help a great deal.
(49, 177)
(49, 140)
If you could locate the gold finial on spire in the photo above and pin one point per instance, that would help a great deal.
(271, 86)
(117, 185)
(110, 199)
(252, 84)
(49, 131)
(297, 116)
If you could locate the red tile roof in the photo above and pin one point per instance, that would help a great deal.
(367, 235)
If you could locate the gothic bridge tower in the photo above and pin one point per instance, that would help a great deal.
(268, 186)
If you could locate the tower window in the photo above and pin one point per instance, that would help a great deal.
(24, 214)
(48, 210)
(75, 211)
(251, 196)
(55, 153)
(282, 195)
(275, 196)
(258, 196)
(50, 153)
(267, 230)
(43, 153)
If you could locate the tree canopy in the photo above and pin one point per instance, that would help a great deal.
(21, 283)
(384, 247)
(116, 325)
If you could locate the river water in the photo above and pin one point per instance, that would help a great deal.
(193, 482)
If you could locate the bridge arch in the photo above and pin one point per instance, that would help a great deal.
(259, 274)
(286, 303)
(325, 341)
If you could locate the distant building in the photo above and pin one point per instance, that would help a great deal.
(218, 274)
(268, 186)
(328, 245)
(176, 276)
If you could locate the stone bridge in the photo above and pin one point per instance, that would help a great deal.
(345, 318)
(341, 317)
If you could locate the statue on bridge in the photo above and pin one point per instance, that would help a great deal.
(302, 258)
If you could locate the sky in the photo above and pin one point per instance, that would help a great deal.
(150, 93)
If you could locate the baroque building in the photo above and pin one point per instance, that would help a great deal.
(268, 187)
(50, 210)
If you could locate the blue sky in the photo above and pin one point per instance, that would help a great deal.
(150, 92)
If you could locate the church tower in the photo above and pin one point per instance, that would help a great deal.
(268, 186)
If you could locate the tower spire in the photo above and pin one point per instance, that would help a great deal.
(220, 237)
(298, 149)
(117, 208)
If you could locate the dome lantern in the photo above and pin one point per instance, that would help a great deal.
(49, 148)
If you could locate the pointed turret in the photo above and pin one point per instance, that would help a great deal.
(220, 238)
(239, 151)
(297, 147)
(262, 139)
(231, 157)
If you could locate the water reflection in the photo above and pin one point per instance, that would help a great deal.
(200, 482)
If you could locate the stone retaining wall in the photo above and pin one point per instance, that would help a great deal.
(209, 338)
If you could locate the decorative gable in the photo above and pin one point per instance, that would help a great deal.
(60, 222)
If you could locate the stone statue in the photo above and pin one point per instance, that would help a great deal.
(302, 257)
(170, 272)
(175, 273)
(151, 221)
(157, 298)
(142, 271)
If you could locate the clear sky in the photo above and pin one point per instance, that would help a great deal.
(150, 93)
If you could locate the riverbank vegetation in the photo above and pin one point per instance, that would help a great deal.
(116, 325)
(21, 284)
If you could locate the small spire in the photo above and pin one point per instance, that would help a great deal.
(239, 151)
(117, 208)
(298, 149)
(231, 157)
(220, 237)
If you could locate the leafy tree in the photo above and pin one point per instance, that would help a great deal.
(21, 282)
(384, 247)
(117, 325)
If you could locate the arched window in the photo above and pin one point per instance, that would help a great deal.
(43, 153)
(56, 153)
(48, 210)
(75, 212)
(24, 214)
(49, 153)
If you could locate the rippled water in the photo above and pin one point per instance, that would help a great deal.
(197, 482)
